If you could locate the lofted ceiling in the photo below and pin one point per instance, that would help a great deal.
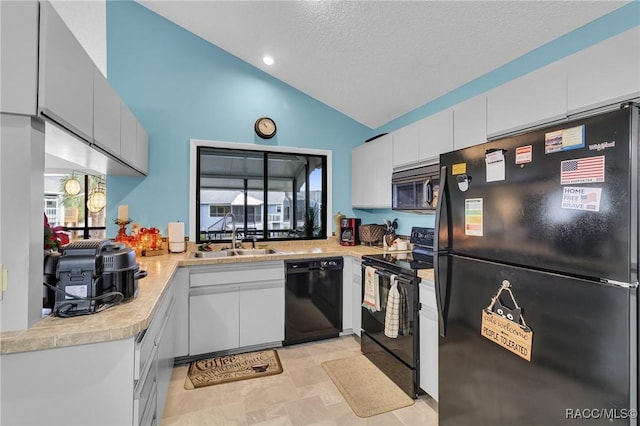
(377, 60)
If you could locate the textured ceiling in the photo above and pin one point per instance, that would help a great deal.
(377, 60)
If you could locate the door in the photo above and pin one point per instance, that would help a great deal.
(525, 209)
(261, 313)
(405, 345)
(579, 357)
(214, 323)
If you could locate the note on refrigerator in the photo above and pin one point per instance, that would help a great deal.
(495, 165)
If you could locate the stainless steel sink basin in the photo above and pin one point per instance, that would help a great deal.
(211, 254)
(227, 253)
(254, 252)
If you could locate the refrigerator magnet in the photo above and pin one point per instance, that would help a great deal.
(505, 326)
(459, 169)
(582, 170)
(463, 182)
(564, 140)
(495, 165)
(473, 217)
(578, 198)
(524, 154)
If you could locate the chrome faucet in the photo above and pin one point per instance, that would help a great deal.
(233, 228)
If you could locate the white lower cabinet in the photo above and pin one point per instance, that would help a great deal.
(356, 296)
(214, 322)
(235, 305)
(130, 375)
(153, 364)
(347, 304)
(261, 313)
(428, 340)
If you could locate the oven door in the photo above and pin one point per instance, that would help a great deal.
(405, 345)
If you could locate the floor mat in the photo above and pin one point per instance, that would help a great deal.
(367, 390)
(230, 368)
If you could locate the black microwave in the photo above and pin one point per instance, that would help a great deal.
(416, 189)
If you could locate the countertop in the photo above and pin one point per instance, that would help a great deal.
(129, 318)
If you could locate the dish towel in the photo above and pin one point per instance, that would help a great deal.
(392, 316)
(371, 299)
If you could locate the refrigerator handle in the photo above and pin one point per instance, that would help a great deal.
(441, 206)
(436, 248)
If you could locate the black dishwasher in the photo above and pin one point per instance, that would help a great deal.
(313, 300)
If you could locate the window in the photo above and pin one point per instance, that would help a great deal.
(83, 219)
(257, 190)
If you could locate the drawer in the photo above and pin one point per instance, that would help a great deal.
(236, 273)
(144, 389)
(147, 339)
(149, 413)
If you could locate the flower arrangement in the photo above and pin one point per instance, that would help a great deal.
(55, 237)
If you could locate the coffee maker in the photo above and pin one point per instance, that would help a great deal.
(349, 231)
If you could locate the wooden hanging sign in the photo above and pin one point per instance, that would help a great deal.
(506, 327)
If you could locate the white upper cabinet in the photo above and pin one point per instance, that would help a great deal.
(605, 73)
(65, 76)
(470, 122)
(436, 135)
(535, 98)
(357, 175)
(141, 161)
(423, 140)
(371, 173)
(19, 56)
(106, 115)
(128, 136)
(406, 144)
(46, 72)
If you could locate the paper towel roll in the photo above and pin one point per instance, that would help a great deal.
(176, 237)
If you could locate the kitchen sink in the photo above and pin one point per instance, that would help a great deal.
(254, 252)
(211, 254)
(227, 253)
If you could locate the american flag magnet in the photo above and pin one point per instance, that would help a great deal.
(582, 170)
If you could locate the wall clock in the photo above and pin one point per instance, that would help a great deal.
(265, 127)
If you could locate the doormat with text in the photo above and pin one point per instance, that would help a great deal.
(230, 368)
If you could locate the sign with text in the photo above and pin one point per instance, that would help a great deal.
(506, 333)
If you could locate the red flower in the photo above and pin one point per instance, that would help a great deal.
(55, 237)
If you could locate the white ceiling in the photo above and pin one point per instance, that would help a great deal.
(377, 60)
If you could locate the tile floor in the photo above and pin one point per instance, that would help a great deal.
(302, 395)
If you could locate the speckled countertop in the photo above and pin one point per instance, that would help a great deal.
(129, 318)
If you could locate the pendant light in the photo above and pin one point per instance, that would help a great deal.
(72, 186)
(97, 199)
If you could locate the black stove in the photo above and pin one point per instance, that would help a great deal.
(398, 356)
(421, 257)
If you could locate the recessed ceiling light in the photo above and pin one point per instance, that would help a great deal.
(267, 60)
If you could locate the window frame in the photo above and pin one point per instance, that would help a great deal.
(194, 174)
(84, 230)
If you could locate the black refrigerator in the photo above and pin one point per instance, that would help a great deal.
(536, 276)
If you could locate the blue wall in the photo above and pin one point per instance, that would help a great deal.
(181, 87)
